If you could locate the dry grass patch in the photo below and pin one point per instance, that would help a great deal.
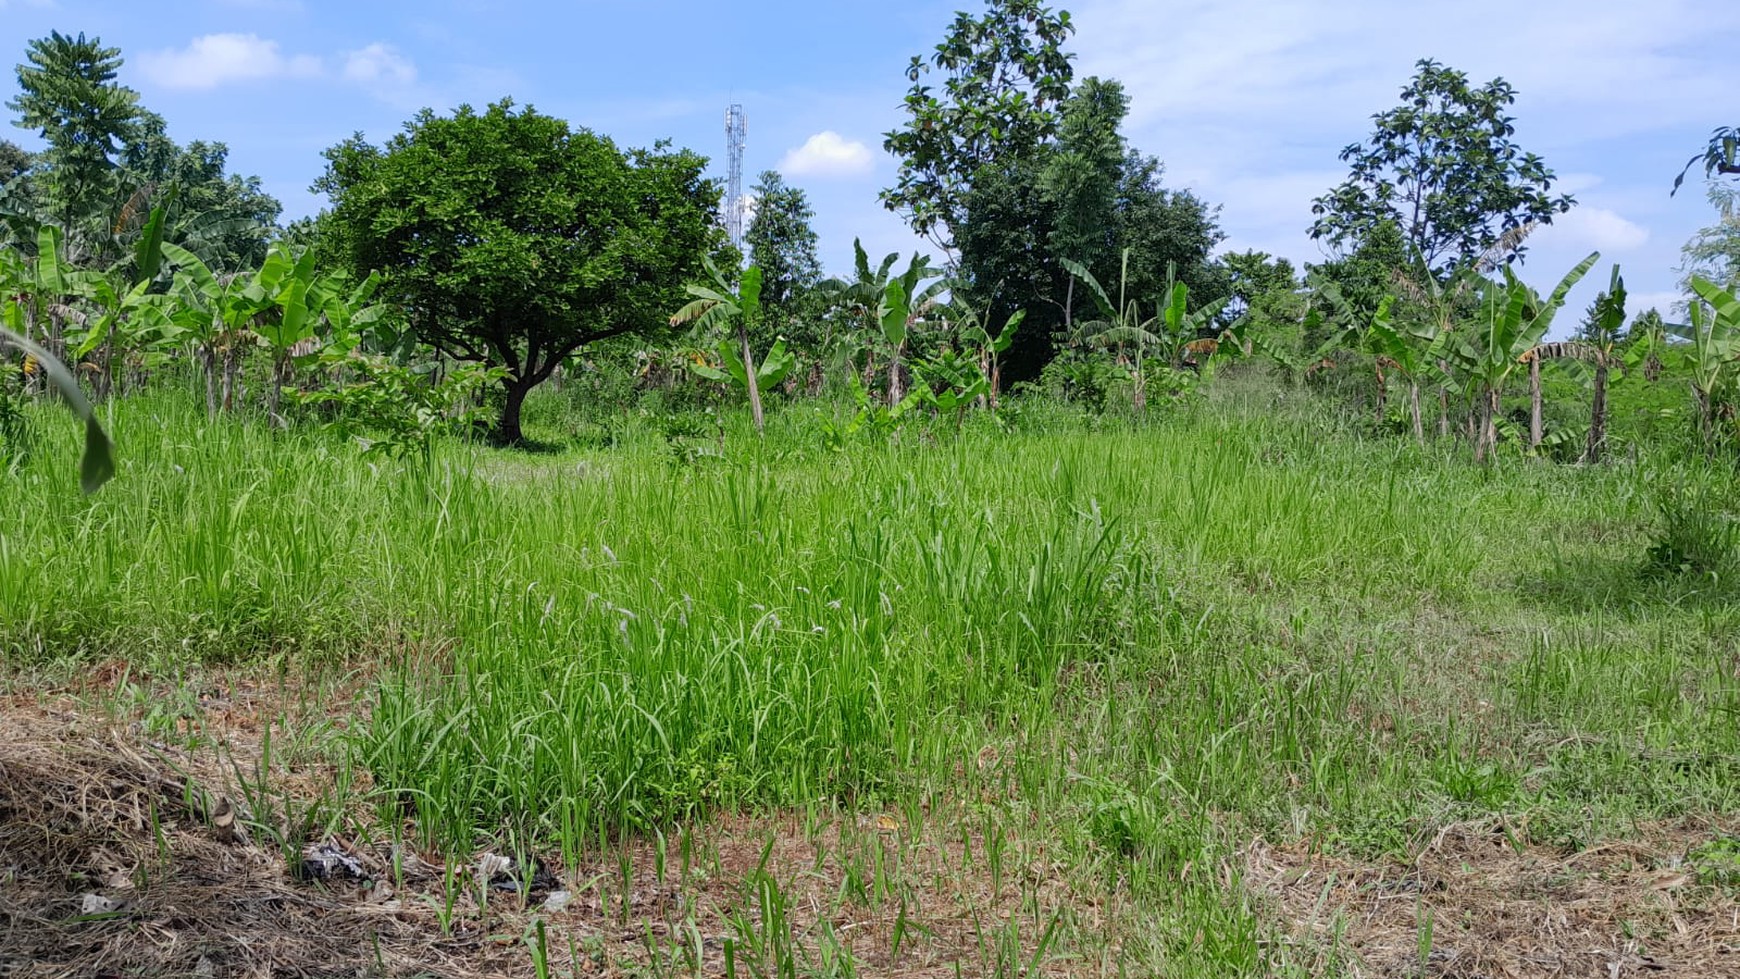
(1473, 906)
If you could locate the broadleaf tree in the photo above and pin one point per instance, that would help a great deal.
(1443, 167)
(1005, 77)
(512, 239)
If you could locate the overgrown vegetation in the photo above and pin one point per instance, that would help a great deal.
(1045, 596)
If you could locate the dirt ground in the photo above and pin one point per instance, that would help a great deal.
(124, 854)
(1475, 906)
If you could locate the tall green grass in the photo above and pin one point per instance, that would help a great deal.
(1235, 620)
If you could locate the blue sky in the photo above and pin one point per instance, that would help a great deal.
(1248, 102)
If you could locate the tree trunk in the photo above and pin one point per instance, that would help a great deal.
(106, 384)
(1443, 404)
(895, 392)
(231, 367)
(275, 389)
(1486, 438)
(1382, 394)
(1069, 311)
(1535, 428)
(208, 361)
(507, 426)
(996, 382)
(1414, 410)
(1140, 398)
(1597, 444)
(750, 380)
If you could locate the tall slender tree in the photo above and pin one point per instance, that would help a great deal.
(69, 96)
(782, 242)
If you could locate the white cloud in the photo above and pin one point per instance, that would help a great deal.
(1666, 303)
(219, 59)
(214, 60)
(828, 154)
(379, 65)
(1597, 228)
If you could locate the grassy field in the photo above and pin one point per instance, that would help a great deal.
(1232, 692)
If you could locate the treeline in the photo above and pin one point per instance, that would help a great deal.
(478, 254)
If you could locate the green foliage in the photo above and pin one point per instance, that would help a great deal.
(1698, 533)
(783, 244)
(1086, 197)
(97, 466)
(512, 239)
(1006, 75)
(1720, 158)
(1442, 167)
(1714, 252)
(68, 95)
(399, 411)
(1714, 335)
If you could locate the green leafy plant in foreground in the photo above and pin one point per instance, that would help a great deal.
(98, 463)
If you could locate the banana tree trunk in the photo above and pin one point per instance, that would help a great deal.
(32, 384)
(208, 367)
(1486, 440)
(1414, 410)
(275, 388)
(1597, 445)
(1535, 427)
(895, 392)
(750, 380)
(232, 369)
(1443, 404)
(1382, 395)
(1140, 396)
(106, 380)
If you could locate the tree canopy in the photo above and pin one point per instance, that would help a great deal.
(1084, 197)
(513, 240)
(1441, 167)
(1006, 74)
(69, 96)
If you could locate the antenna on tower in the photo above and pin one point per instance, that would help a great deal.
(736, 135)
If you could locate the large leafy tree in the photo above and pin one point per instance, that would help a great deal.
(14, 161)
(782, 243)
(512, 239)
(1443, 168)
(1086, 197)
(69, 96)
(1005, 75)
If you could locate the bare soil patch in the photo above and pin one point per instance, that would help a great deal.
(1474, 906)
(121, 855)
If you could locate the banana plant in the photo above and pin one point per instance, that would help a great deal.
(1602, 349)
(1297, 364)
(129, 323)
(991, 346)
(902, 304)
(1714, 333)
(1412, 353)
(1190, 338)
(218, 312)
(716, 304)
(1514, 321)
(1120, 324)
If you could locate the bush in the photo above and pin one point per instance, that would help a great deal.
(1699, 533)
